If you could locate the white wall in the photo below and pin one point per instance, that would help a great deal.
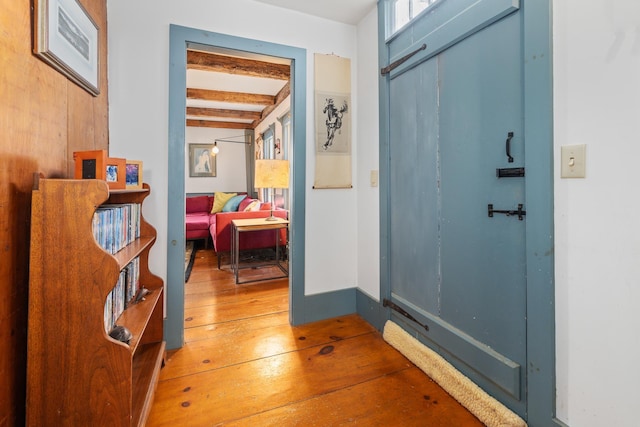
(597, 234)
(231, 166)
(368, 157)
(138, 113)
(272, 118)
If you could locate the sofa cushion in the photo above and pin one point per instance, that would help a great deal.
(233, 203)
(244, 203)
(251, 207)
(197, 221)
(197, 204)
(219, 200)
(265, 206)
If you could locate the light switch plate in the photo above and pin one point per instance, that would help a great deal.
(374, 178)
(573, 158)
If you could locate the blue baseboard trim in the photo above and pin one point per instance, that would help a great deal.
(330, 304)
(346, 301)
(371, 310)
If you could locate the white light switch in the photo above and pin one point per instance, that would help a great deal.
(573, 158)
(374, 178)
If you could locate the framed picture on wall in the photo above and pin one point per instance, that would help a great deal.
(66, 38)
(202, 160)
(133, 178)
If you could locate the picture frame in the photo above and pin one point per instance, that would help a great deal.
(90, 164)
(115, 173)
(201, 161)
(133, 175)
(66, 37)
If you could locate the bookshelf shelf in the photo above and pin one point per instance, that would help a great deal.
(76, 373)
(136, 317)
(129, 252)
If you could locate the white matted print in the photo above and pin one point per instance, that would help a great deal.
(66, 38)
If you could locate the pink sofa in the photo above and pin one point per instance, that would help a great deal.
(200, 224)
(198, 218)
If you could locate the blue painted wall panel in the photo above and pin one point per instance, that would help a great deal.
(413, 146)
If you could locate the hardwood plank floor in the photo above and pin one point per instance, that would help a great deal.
(244, 365)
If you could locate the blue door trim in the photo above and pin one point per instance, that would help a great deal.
(438, 37)
(180, 38)
(538, 136)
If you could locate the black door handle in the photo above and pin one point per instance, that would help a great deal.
(508, 147)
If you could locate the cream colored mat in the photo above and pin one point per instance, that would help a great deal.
(487, 409)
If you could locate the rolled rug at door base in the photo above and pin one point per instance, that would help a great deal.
(487, 409)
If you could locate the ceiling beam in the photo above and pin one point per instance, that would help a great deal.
(231, 97)
(223, 113)
(206, 61)
(279, 98)
(217, 124)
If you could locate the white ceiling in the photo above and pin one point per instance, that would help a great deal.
(345, 11)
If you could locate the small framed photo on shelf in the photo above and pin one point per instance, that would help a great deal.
(115, 173)
(90, 164)
(66, 38)
(202, 160)
(133, 180)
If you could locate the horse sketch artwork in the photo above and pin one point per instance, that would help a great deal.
(332, 123)
(334, 119)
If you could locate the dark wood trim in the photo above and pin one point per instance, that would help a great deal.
(224, 113)
(217, 124)
(232, 97)
(279, 98)
(206, 61)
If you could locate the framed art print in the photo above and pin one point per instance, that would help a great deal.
(115, 173)
(133, 176)
(202, 161)
(66, 38)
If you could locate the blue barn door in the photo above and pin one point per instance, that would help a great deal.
(457, 182)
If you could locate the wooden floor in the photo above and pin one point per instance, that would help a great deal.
(244, 365)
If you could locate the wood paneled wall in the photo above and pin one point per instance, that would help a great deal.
(44, 118)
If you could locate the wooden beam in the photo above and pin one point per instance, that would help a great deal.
(206, 61)
(231, 97)
(218, 112)
(279, 98)
(217, 124)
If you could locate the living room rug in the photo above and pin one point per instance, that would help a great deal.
(189, 257)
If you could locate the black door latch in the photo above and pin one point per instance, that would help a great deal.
(519, 212)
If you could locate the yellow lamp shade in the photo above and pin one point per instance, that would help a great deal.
(272, 173)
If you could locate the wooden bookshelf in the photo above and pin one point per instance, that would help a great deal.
(77, 374)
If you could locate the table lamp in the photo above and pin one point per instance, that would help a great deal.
(271, 173)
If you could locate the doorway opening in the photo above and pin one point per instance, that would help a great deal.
(182, 39)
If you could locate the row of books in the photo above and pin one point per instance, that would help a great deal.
(123, 294)
(115, 226)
